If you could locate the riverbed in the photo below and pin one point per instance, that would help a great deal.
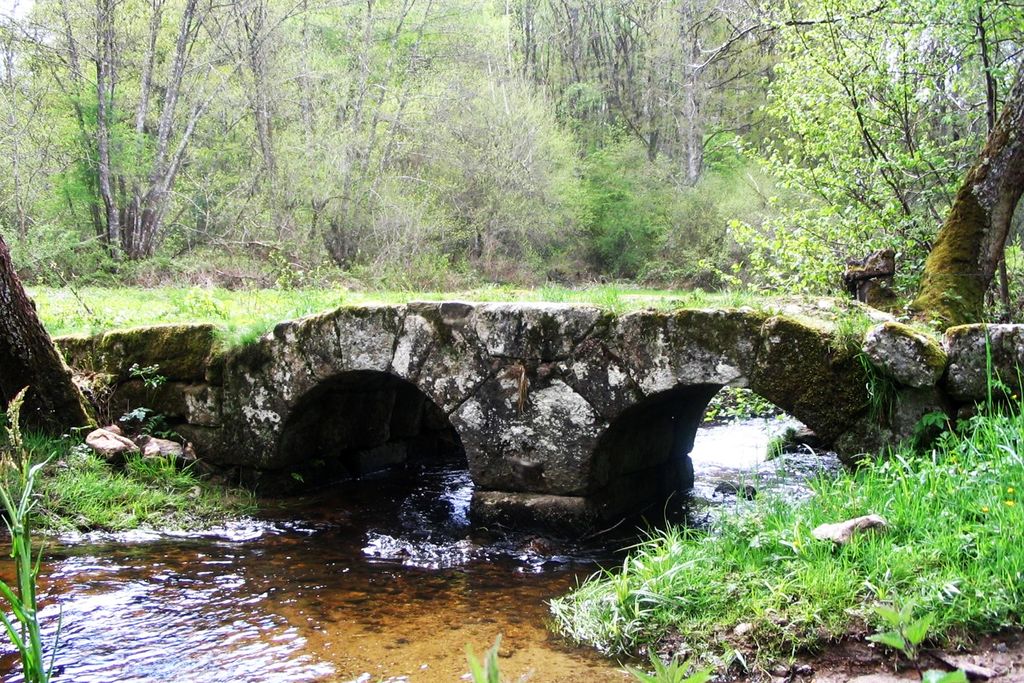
(378, 580)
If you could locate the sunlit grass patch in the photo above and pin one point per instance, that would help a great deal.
(244, 315)
(952, 548)
(78, 491)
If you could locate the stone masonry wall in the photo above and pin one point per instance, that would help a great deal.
(567, 413)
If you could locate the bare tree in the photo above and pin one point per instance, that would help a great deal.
(668, 72)
(134, 178)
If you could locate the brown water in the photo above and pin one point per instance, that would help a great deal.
(383, 580)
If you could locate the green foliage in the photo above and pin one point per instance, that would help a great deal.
(624, 213)
(869, 138)
(81, 492)
(934, 676)
(150, 375)
(17, 494)
(906, 633)
(486, 671)
(675, 671)
(851, 326)
(946, 551)
(882, 390)
(733, 403)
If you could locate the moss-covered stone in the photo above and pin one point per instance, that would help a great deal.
(799, 369)
(905, 355)
(180, 352)
(79, 352)
(974, 350)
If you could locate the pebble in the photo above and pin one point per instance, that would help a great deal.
(804, 670)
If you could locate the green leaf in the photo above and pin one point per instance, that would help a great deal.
(641, 676)
(918, 631)
(935, 676)
(907, 612)
(890, 615)
(890, 639)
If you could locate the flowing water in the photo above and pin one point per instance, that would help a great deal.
(380, 580)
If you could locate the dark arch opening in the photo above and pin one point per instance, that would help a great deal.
(641, 460)
(361, 423)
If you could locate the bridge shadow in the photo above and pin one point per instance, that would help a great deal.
(641, 460)
(644, 462)
(364, 423)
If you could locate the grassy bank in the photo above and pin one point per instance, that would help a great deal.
(78, 491)
(246, 314)
(759, 582)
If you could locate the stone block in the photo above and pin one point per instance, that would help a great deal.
(970, 347)
(904, 354)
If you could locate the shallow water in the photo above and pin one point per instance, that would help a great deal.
(377, 580)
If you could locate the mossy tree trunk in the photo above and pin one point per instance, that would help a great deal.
(967, 251)
(28, 358)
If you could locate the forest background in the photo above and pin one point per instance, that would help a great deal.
(439, 144)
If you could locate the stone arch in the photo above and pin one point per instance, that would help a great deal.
(642, 457)
(675, 364)
(358, 422)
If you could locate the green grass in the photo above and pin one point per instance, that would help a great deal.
(78, 491)
(246, 314)
(953, 548)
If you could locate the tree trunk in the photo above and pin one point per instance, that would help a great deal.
(29, 358)
(967, 251)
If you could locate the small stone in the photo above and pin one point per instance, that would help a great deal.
(112, 447)
(842, 532)
(975, 351)
(781, 670)
(728, 488)
(743, 629)
(1001, 647)
(804, 670)
(162, 448)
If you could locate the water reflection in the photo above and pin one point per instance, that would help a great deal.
(361, 583)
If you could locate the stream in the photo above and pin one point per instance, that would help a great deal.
(378, 580)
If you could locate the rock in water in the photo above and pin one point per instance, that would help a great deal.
(842, 532)
(728, 488)
(114, 448)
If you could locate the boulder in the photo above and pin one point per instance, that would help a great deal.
(800, 370)
(179, 352)
(970, 347)
(195, 403)
(905, 355)
(533, 331)
(110, 445)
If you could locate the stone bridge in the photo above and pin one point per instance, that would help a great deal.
(566, 414)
